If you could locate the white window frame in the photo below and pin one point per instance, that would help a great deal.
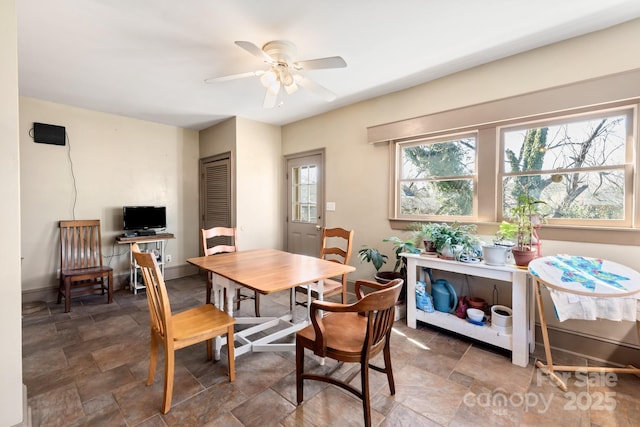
(398, 180)
(628, 167)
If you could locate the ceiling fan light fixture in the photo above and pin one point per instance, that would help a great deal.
(292, 88)
(278, 78)
(269, 78)
(274, 87)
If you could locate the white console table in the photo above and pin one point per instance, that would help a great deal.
(160, 239)
(521, 341)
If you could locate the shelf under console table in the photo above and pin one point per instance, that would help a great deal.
(521, 341)
(160, 239)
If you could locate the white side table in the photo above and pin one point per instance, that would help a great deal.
(521, 341)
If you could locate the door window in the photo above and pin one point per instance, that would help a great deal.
(304, 191)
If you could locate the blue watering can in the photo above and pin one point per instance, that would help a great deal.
(444, 296)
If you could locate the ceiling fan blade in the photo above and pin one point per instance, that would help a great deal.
(320, 63)
(271, 98)
(314, 87)
(255, 51)
(234, 76)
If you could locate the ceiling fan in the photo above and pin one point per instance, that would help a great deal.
(282, 76)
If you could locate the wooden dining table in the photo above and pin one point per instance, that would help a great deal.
(265, 271)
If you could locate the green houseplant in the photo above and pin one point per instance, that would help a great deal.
(526, 217)
(374, 256)
(506, 234)
(378, 259)
(447, 237)
(423, 233)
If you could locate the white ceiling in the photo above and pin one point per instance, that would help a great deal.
(148, 59)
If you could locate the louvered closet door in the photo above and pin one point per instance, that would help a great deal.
(216, 196)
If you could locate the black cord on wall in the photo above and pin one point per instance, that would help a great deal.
(73, 177)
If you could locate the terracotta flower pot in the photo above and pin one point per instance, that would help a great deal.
(523, 257)
(429, 246)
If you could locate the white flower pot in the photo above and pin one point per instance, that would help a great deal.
(502, 319)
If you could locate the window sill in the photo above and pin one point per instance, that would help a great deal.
(605, 235)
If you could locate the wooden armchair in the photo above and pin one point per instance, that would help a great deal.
(336, 246)
(351, 333)
(81, 269)
(176, 331)
(219, 240)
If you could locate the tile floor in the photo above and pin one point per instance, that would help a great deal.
(88, 368)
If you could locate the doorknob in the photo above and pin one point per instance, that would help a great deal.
(318, 227)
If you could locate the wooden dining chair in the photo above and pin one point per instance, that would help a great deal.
(176, 331)
(352, 333)
(81, 269)
(220, 240)
(336, 246)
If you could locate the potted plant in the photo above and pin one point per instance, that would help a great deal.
(498, 252)
(374, 256)
(506, 234)
(455, 237)
(526, 217)
(423, 233)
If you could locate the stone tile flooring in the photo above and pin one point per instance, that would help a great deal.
(89, 367)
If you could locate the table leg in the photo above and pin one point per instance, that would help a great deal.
(548, 368)
(292, 302)
(218, 286)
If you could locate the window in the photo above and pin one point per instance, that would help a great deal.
(580, 166)
(304, 190)
(437, 178)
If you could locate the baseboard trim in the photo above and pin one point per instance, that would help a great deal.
(599, 350)
(120, 281)
(26, 410)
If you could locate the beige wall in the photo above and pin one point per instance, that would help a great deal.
(257, 167)
(10, 303)
(218, 139)
(358, 173)
(116, 161)
(258, 185)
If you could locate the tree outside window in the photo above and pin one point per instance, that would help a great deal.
(437, 178)
(578, 166)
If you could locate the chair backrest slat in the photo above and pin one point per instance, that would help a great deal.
(336, 244)
(217, 240)
(379, 307)
(80, 244)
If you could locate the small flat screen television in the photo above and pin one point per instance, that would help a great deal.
(144, 217)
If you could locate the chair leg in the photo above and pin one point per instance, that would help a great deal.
(238, 297)
(257, 303)
(209, 287)
(209, 349)
(60, 286)
(153, 359)
(366, 405)
(110, 290)
(299, 371)
(387, 366)
(231, 357)
(169, 362)
(67, 295)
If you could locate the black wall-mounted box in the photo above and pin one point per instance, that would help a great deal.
(48, 134)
